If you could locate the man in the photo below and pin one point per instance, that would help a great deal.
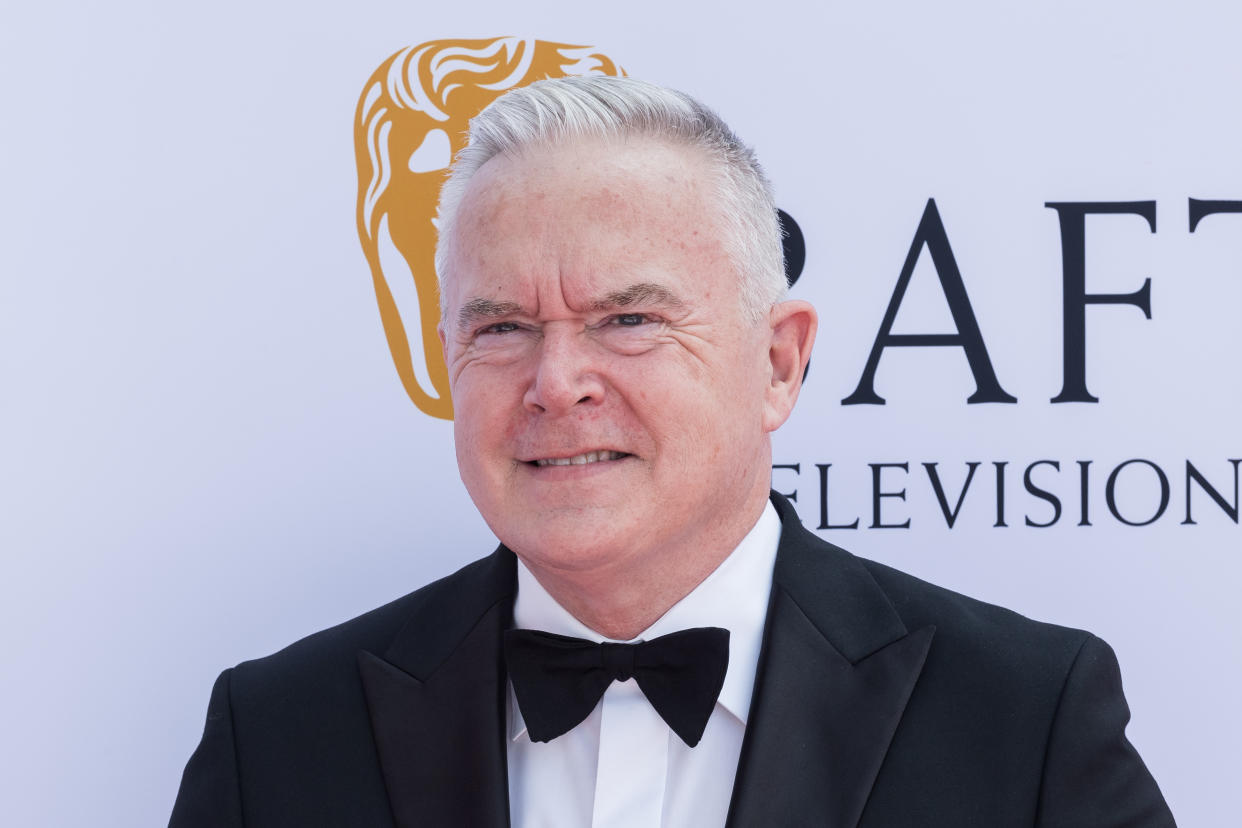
(619, 352)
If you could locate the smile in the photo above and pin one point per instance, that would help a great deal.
(582, 459)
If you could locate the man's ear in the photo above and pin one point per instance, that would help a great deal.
(793, 325)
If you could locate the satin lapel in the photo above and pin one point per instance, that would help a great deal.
(835, 673)
(437, 702)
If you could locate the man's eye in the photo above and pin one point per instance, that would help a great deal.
(630, 320)
(499, 328)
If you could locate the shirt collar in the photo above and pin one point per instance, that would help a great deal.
(734, 596)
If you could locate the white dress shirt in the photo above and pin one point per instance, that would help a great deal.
(622, 767)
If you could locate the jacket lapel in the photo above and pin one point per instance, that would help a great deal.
(437, 699)
(835, 673)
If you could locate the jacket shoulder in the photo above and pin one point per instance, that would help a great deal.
(1042, 706)
(959, 616)
(288, 739)
(310, 661)
(989, 671)
(849, 593)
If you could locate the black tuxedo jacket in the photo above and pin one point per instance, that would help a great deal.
(881, 701)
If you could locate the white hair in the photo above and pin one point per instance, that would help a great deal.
(552, 111)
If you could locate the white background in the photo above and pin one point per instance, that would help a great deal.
(205, 452)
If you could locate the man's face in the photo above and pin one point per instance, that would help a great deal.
(609, 392)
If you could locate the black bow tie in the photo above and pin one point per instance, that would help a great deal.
(558, 680)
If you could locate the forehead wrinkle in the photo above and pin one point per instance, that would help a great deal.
(637, 293)
(479, 308)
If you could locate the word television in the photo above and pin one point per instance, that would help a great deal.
(1039, 494)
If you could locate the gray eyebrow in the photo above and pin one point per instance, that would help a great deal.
(480, 308)
(641, 292)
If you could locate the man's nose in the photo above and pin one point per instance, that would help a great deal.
(566, 373)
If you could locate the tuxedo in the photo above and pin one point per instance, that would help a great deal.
(881, 701)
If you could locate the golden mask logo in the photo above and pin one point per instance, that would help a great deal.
(411, 121)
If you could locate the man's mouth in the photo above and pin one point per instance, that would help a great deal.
(581, 459)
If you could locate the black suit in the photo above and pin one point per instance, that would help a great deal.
(881, 701)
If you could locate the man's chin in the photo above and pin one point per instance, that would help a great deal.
(572, 538)
(567, 561)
